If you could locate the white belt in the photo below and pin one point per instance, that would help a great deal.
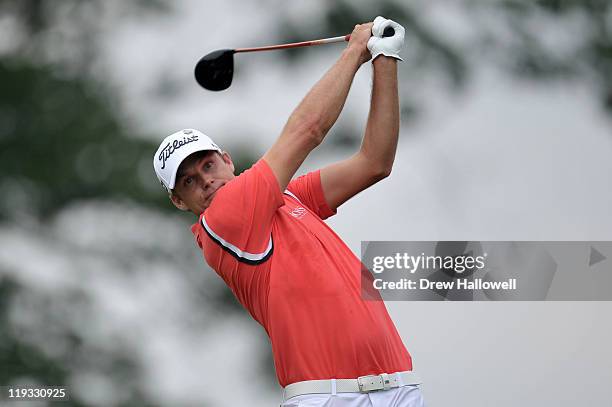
(363, 384)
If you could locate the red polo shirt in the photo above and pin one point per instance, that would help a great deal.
(297, 278)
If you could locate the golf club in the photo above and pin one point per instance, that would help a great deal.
(214, 71)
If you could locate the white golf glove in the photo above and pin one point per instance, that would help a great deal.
(387, 46)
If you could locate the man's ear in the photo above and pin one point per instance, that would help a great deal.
(178, 202)
(228, 160)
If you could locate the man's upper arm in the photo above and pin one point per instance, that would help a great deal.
(343, 180)
(298, 139)
(308, 191)
(240, 217)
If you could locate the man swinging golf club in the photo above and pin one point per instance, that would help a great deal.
(263, 233)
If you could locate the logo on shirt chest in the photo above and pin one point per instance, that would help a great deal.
(298, 212)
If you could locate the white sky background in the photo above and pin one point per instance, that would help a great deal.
(504, 160)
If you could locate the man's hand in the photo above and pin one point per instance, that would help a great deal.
(359, 41)
(387, 46)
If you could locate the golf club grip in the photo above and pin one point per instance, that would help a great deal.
(389, 32)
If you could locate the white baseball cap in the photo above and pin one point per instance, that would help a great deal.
(174, 149)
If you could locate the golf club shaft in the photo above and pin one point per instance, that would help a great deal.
(296, 44)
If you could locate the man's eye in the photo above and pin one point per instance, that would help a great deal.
(208, 164)
(188, 181)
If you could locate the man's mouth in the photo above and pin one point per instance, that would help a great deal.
(212, 194)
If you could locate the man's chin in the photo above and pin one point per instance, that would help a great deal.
(208, 201)
(212, 196)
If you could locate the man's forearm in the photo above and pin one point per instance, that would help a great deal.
(318, 111)
(325, 100)
(382, 129)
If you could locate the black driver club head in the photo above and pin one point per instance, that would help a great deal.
(214, 71)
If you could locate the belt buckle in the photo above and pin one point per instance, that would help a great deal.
(373, 382)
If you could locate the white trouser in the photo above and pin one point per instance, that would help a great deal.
(405, 396)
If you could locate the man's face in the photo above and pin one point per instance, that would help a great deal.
(199, 177)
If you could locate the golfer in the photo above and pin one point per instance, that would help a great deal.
(263, 233)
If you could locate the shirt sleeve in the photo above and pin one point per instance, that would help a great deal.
(240, 216)
(309, 191)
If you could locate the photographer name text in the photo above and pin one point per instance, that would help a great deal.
(458, 284)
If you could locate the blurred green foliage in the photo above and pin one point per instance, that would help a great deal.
(28, 363)
(61, 136)
(60, 141)
(13, 351)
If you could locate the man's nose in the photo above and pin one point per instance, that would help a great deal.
(207, 182)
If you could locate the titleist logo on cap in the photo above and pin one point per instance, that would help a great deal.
(172, 147)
